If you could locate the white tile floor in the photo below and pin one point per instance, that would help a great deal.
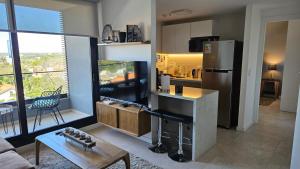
(266, 145)
(47, 121)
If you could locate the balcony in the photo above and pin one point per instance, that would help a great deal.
(47, 121)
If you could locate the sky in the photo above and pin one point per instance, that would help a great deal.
(33, 19)
(3, 16)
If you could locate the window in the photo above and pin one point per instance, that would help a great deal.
(51, 48)
(7, 81)
(3, 15)
(43, 63)
(7, 89)
(36, 19)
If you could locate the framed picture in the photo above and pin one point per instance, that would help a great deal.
(134, 33)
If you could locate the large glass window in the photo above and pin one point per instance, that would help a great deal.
(36, 19)
(50, 66)
(43, 63)
(8, 101)
(3, 15)
(45, 67)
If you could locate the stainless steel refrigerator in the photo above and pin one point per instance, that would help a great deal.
(222, 63)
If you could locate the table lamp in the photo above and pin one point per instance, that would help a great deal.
(272, 68)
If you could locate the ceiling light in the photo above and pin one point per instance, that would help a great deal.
(178, 12)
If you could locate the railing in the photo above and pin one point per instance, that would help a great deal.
(28, 73)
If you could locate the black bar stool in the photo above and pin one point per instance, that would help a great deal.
(159, 147)
(181, 119)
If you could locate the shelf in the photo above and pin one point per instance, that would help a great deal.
(121, 44)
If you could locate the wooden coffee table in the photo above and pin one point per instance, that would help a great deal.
(100, 156)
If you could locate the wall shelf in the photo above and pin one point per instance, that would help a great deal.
(121, 44)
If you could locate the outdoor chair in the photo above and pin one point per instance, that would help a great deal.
(49, 101)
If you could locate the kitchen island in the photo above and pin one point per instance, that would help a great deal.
(188, 82)
(202, 105)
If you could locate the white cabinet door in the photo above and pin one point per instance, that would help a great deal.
(202, 28)
(182, 37)
(175, 38)
(169, 39)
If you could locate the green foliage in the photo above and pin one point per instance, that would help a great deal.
(114, 66)
(35, 83)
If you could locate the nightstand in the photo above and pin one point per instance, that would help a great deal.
(276, 86)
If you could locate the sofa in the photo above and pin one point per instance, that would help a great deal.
(10, 159)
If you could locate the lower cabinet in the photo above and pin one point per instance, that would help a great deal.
(107, 115)
(128, 119)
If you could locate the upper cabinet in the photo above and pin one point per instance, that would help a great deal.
(175, 38)
(182, 38)
(169, 38)
(202, 28)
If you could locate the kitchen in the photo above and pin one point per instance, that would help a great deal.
(186, 111)
(195, 55)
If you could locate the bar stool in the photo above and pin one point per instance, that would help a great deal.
(159, 147)
(181, 119)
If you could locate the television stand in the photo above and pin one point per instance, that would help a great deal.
(130, 120)
(125, 104)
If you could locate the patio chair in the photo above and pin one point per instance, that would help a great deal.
(49, 101)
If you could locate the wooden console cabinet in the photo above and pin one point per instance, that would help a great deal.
(107, 115)
(127, 119)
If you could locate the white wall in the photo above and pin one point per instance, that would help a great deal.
(252, 26)
(81, 19)
(79, 73)
(295, 163)
(257, 15)
(120, 13)
(230, 26)
(291, 73)
(127, 52)
(158, 36)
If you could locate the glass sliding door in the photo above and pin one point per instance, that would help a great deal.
(46, 68)
(43, 65)
(58, 63)
(8, 96)
(50, 60)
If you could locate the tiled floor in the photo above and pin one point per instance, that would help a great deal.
(266, 145)
(47, 121)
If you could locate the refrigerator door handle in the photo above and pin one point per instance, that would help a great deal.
(209, 70)
(221, 71)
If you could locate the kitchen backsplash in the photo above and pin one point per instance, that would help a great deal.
(180, 65)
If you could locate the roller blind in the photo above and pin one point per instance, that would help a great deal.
(78, 17)
(3, 15)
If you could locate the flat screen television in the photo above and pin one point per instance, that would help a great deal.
(123, 80)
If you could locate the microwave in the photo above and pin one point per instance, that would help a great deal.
(196, 44)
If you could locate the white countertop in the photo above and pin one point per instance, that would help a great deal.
(186, 79)
(189, 93)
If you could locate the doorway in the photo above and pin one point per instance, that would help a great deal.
(280, 69)
(273, 64)
(279, 86)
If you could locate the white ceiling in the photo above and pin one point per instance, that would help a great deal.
(200, 8)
